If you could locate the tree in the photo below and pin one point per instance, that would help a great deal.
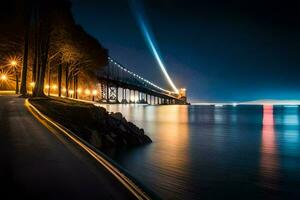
(27, 17)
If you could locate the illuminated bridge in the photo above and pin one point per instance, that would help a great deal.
(120, 85)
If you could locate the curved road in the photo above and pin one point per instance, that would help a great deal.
(36, 163)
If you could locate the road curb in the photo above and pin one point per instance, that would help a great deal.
(98, 156)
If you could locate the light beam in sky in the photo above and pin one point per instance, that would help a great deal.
(148, 36)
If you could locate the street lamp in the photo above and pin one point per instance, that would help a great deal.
(32, 84)
(3, 77)
(94, 94)
(78, 92)
(14, 64)
(71, 93)
(87, 92)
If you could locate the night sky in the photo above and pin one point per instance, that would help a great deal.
(219, 50)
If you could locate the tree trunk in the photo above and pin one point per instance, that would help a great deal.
(44, 40)
(49, 78)
(17, 80)
(67, 80)
(25, 54)
(59, 76)
(75, 89)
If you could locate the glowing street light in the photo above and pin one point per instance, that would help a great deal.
(47, 86)
(94, 94)
(14, 64)
(71, 93)
(54, 87)
(3, 77)
(32, 84)
(87, 92)
(79, 91)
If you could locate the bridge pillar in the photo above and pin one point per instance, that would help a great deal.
(124, 100)
(146, 98)
(134, 95)
(117, 94)
(130, 97)
(107, 92)
(113, 92)
(139, 96)
(104, 92)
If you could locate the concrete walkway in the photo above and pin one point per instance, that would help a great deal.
(37, 163)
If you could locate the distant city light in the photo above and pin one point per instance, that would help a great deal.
(218, 105)
(234, 104)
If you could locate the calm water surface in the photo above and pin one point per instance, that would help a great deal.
(206, 152)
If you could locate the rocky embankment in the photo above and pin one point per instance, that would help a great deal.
(106, 131)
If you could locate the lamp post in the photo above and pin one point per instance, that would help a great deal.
(71, 93)
(32, 84)
(14, 65)
(94, 94)
(78, 93)
(87, 92)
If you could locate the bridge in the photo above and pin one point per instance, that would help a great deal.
(120, 85)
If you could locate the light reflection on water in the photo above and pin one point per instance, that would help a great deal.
(269, 152)
(205, 152)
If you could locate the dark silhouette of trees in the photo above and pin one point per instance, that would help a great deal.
(52, 46)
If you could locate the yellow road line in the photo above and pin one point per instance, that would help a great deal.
(129, 184)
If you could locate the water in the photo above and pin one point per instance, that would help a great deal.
(206, 152)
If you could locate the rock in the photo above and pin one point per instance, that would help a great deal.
(122, 128)
(117, 115)
(96, 139)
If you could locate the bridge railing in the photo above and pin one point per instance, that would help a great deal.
(116, 72)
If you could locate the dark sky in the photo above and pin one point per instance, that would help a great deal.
(219, 50)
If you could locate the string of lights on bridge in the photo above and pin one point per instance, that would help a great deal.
(139, 77)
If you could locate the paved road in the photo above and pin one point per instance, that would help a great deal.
(35, 163)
